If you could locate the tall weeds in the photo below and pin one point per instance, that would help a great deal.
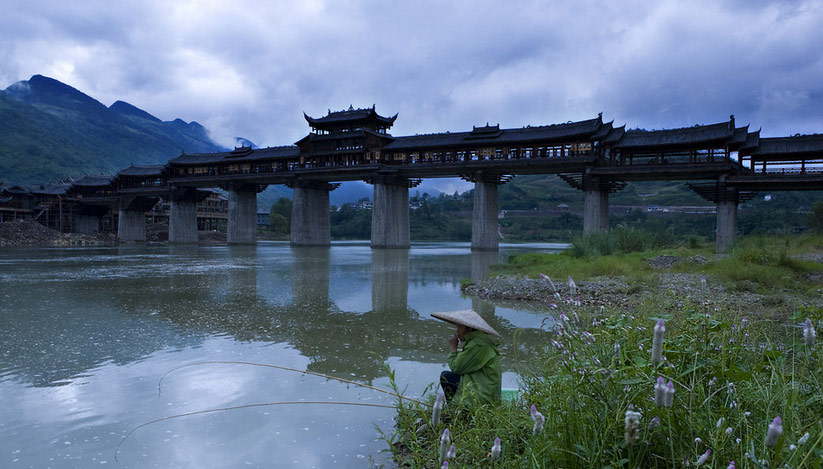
(729, 379)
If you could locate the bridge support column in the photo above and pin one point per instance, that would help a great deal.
(87, 224)
(131, 218)
(183, 216)
(596, 211)
(131, 226)
(390, 216)
(242, 222)
(726, 224)
(485, 235)
(310, 224)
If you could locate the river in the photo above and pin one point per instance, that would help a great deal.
(88, 333)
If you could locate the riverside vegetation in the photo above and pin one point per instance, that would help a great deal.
(673, 379)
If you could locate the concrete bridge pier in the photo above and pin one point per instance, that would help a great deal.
(485, 236)
(183, 216)
(131, 226)
(596, 210)
(242, 223)
(390, 215)
(727, 200)
(131, 218)
(310, 225)
(726, 225)
(87, 224)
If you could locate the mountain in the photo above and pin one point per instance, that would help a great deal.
(52, 131)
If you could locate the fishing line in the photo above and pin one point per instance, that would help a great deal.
(285, 368)
(245, 406)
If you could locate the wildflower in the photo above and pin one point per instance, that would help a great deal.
(655, 422)
(729, 431)
(657, 342)
(616, 347)
(703, 457)
(731, 465)
(698, 440)
(809, 333)
(774, 432)
(803, 439)
(737, 440)
(720, 422)
(436, 409)
(496, 448)
(669, 399)
(631, 427)
(660, 392)
(744, 322)
(546, 278)
(444, 444)
(572, 286)
(445, 465)
(539, 420)
(792, 447)
(452, 453)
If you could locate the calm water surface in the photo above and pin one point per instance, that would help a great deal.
(86, 335)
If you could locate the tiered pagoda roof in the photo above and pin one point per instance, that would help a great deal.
(798, 146)
(699, 136)
(493, 135)
(351, 119)
(242, 154)
(143, 170)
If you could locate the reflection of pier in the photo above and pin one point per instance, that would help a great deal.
(390, 280)
(249, 297)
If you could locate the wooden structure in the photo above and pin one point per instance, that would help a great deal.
(721, 162)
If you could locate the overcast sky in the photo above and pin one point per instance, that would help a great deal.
(251, 68)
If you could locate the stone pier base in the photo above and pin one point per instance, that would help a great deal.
(87, 224)
(183, 216)
(485, 235)
(242, 222)
(390, 216)
(596, 211)
(726, 225)
(310, 224)
(131, 226)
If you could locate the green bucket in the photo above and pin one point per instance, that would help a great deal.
(509, 394)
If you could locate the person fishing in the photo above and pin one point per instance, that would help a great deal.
(475, 375)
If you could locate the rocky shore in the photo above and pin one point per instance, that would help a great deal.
(620, 292)
(30, 233)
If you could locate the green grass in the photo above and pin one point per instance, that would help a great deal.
(731, 377)
(753, 263)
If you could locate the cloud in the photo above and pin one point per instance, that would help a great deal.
(251, 68)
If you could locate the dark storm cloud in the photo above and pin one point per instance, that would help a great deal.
(251, 68)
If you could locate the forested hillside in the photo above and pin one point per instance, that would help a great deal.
(51, 131)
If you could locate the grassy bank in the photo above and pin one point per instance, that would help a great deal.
(743, 387)
(753, 263)
(731, 377)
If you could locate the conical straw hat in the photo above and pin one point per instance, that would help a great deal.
(466, 317)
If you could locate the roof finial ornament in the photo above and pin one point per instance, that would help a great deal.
(351, 107)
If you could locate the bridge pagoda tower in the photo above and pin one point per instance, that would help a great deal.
(350, 138)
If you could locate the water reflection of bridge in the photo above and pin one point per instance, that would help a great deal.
(250, 301)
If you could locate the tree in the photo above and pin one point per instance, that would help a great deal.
(815, 222)
(280, 216)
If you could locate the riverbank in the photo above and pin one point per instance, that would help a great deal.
(30, 233)
(683, 358)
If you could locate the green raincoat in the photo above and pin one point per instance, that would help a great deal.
(478, 365)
